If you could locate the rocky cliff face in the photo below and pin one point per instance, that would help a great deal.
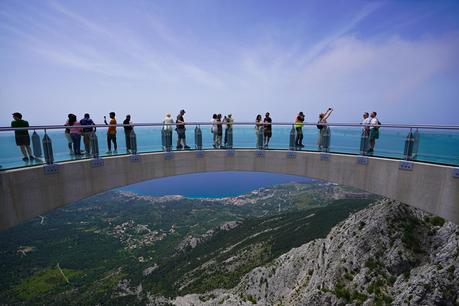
(387, 253)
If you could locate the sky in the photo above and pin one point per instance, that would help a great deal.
(149, 58)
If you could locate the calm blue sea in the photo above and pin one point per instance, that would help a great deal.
(212, 185)
(435, 146)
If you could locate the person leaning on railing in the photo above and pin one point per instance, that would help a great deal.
(87, 131)
(75, 133)
(22, 136)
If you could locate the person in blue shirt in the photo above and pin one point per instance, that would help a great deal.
(87, 131)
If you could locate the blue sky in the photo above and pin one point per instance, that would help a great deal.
(147, 58)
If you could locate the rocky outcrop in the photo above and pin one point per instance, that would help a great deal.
(388, 253)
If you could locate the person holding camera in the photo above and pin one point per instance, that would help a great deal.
(322, 141)
(299, 130)
(111, 133)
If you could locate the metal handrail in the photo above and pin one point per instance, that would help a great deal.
(55, 127)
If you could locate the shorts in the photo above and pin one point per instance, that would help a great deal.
(268, 133)
(181, 133)
(374, 134)
(22, 140)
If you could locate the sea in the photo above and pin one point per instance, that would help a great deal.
(212, 184)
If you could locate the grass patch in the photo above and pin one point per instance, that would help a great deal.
(43, 281)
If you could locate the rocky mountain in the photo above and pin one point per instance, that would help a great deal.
(386, 254)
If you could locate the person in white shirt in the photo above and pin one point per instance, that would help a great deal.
(374, 131)
(365, 133)
(168, 122)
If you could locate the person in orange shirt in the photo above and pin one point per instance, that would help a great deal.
(111, 133)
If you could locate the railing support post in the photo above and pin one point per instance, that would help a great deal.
(36, 144)
(133, 139)
(409, 146)
(48, 149)
(292, 144)
(198, 137)
(260, 145)
(94, 145)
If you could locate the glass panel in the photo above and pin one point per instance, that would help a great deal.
(433, 145)
(439, 146)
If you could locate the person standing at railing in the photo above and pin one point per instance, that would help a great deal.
(168, 122)
(213, 130)
(374, 131)
(258, 131)
(219, 123)
(268, 131)
(75, 133)
(22, 136)
(299, 130)
(229, 127)
(365, 133)
(181, 131)
(127, 132)
(87, 131)
(67, 135)
(111, 133)
(322, 141)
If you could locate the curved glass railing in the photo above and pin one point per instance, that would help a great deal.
(426, 143)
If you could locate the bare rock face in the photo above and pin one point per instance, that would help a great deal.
(388, 253)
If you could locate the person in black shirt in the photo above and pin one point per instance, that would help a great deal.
(268, 132)
(219, 131)
(180, 128)
(22, 136)
(127, 132)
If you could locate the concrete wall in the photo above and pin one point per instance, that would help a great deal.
(28, 192)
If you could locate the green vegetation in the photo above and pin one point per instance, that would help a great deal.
(409, 237)
(44, 281)
(114, 237)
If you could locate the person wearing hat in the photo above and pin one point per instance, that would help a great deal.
(229, 126)
(180, 128)
(22, 136)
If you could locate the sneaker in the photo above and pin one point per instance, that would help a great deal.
(25, 159)
(187, 147)
(179, 147)
(108, 152)
(115, 152)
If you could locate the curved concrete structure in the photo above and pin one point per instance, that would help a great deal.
(29, 192)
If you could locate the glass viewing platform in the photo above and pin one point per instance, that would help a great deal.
(424, 143)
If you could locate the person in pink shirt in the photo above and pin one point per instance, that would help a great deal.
(75, 133)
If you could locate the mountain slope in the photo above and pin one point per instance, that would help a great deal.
(388, 253)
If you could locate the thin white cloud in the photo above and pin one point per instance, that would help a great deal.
(352, 23)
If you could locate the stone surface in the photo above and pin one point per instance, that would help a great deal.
(29, 192)
(388, 253)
